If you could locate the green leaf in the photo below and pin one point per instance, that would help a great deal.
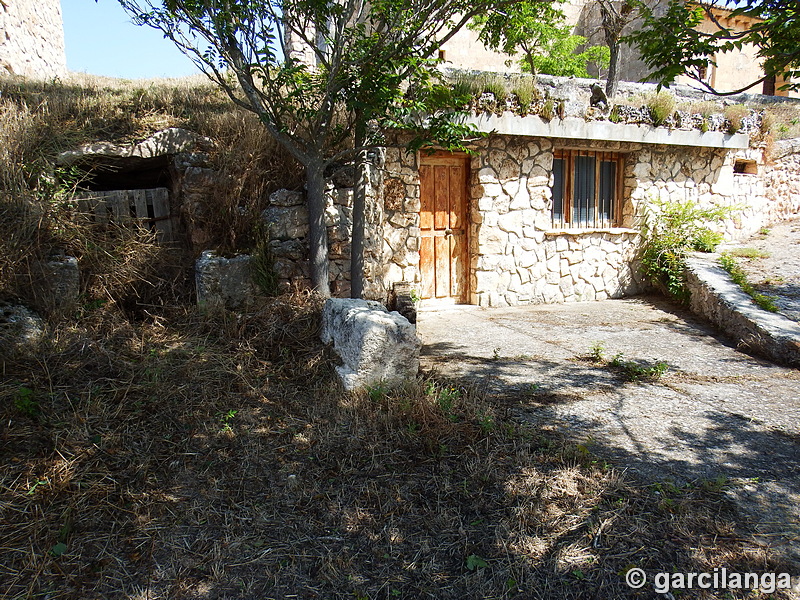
(476, 562)
(59, 549)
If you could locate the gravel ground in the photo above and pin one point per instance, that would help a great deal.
(716, 413)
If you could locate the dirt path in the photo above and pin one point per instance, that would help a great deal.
(777, 271)
(716, 413)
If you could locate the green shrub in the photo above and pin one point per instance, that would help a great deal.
(25, 402)
(669, 231)
(633, 370)
(706, 240)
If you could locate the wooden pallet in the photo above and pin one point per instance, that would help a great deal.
(125, 207)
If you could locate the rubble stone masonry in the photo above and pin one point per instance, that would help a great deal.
(32, 39)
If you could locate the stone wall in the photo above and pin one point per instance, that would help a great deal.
(516, 255)
(32, 38)
(768, 192)
(287, 219)
(781, 181)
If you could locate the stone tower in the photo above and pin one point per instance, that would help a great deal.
(32, 38)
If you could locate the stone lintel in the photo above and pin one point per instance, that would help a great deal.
(579, 129)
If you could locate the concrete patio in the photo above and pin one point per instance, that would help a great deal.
(715, 413)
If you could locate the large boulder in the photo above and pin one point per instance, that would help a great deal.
(377, 347)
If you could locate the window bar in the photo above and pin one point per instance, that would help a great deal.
(602, 197)
(598, 169)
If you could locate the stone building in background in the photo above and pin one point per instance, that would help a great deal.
(32, 39)
(732, 69)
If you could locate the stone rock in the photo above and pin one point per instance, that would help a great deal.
(224, 281)
(20, 327)
(289, 249)
(184, 160)
(163, 143)
(286, 222)
(342, 196)
(198, 180)
(339, 221)
(286, 198)
(377, 347)
(344, 177)
(404, 301)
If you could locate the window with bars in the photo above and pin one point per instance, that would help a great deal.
(586, 188)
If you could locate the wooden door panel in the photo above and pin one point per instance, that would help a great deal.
(458, 268)
(426, 197)
(443, 227)
(442, 248)
(426, 267)
(457, 192)
(441, 192)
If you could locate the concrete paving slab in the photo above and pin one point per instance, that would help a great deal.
(715, 413)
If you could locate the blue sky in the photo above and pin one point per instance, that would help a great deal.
(101, 40)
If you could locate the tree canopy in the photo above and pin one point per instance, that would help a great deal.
(672, 45)
(538, 32)
(315, 71)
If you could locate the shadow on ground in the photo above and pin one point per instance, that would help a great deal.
(718, 415)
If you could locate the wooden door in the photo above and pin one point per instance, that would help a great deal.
(443, 226)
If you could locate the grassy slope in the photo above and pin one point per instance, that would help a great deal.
(40, 120)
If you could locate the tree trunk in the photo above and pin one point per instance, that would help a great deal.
(612, 80)
(317, 233)
(359, 212)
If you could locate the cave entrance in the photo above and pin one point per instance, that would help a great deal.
(128, 190)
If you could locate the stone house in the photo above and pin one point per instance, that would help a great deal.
(540, 211)
(549, 211)
(546, 210)
(727, 72)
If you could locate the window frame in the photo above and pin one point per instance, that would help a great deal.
(569, 156)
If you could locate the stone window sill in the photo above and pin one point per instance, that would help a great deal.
(585, 230)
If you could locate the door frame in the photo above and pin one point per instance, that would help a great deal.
(446, 158)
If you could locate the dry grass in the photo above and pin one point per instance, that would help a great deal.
(38, 120)
(784, 120)
(212, 456)
(250, 165)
